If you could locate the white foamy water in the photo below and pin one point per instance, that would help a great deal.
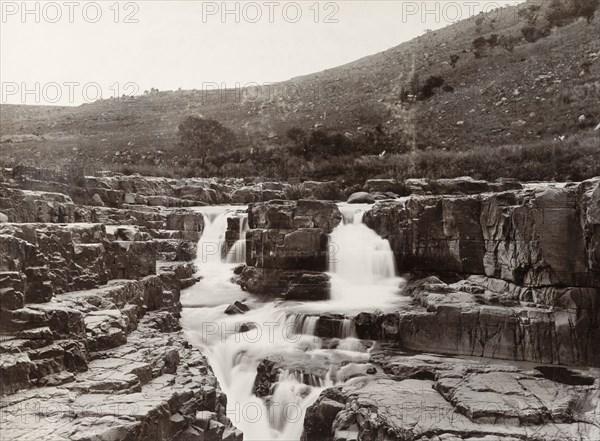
(363, 278)
(237, 253)
(361, 263)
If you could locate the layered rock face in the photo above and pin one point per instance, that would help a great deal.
(533, 259)
(539, 236)
(286, 248)
(90, 342)
(489, 318)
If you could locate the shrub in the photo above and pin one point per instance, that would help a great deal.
(508, 42)
(493, 40)
(586, 9)
(561, 12)
(479, 43)
(531, 14)
(533, 34)
(428, 89)
(453, 60)
(321, 143)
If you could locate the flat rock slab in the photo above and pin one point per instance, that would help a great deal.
(419, 397)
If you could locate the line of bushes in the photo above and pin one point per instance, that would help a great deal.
(577, 158)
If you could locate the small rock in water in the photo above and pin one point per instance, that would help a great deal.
(597, 127)
(245, 327)
(237, 308)
(238, 269)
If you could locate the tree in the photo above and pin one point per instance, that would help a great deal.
(479, 46)
(533, 34)
(203, 136)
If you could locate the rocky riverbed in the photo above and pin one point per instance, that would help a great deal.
(450, 309)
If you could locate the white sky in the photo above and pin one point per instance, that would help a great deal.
(180, 44)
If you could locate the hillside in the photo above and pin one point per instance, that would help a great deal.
(534, 93)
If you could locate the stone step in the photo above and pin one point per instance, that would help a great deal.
(99, 319)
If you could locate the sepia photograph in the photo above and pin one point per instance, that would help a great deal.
(310, 220)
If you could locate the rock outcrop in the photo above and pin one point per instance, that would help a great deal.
(90, 342)
(545, 235)
(429, 397)
(490, 318)
(286, 248)
(529, 264)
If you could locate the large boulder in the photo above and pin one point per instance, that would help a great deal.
(12, 289)
(385, 186)
(494, 319)
(361, 197)
(257, 193)
(536, 238)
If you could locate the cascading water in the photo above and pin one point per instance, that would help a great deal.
(237, 253)
(363, 277)
(235, 355)
(361, 263)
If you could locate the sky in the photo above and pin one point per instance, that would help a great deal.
(72, 52)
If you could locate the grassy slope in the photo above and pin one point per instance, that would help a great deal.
(348, 98)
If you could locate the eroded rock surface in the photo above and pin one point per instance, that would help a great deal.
(90, 341)
(430, 397)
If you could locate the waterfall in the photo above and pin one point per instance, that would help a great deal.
(235, 356)
(303, 324)
(237, 253)
(363, 276)
(212, 247)
(216, 287)
(361, 263)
